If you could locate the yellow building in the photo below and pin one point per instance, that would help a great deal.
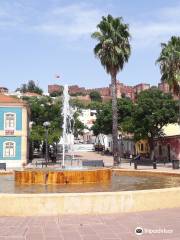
(142, 147)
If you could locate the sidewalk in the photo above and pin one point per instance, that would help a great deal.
(108, 161)
(98, 227)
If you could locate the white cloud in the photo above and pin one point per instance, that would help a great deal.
(171, 12)
(11, 14)
(164, 25)
(71, 21)
(78, 20)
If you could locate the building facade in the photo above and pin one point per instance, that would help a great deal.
(167, 148)
(142, 148)
(87, 117)
(54, 88)
(105, 92)
(14, 130)
(3, 90)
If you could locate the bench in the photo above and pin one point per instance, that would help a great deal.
(92, 163)
(3, 166)
(142, 162)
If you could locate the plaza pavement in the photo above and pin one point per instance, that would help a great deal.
(157, 225)
(108, 161)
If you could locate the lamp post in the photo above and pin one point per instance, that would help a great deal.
(46, 125)
(31, 143)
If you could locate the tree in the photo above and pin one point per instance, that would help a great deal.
(77, 94)
(169, 61)
(152, 111)
(56, 93)
(30, 87)
(113, 50)
(95, 96)
(103, 122)
(45, 109)
(78, 126)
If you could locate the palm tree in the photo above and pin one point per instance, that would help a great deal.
(113, 50)
(169, 61)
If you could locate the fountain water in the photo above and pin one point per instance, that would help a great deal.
(67, 123)
(64, 175)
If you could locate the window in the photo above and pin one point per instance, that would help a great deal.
(9, 149)
(10, 120)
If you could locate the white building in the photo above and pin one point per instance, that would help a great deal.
(126, 144)
(87, 117)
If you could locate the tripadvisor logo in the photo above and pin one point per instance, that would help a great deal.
(139, 231)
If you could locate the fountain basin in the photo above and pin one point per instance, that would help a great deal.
(63, 176)
(111, 197)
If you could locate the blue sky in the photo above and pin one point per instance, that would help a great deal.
(41, 38)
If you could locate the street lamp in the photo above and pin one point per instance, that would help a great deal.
(31, 143)
(46, 125)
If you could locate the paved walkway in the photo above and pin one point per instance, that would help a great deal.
(166, 224)
(108, 161)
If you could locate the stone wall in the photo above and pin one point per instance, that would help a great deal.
(105, 92)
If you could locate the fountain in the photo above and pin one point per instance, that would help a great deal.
(55, 191)
(64, 175)
(67, 123)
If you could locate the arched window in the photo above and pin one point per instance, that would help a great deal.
(10, 121)
(9, 149)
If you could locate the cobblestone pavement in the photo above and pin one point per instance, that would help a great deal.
(161, 224)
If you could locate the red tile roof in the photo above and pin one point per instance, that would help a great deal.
(31, 94)
(4, 99)
(9, 99)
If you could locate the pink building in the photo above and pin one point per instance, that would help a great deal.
(54, 88)
(141, 87)
(167, 148)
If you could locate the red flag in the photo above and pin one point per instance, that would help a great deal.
(57, 76)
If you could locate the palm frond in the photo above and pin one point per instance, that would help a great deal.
(113, 48)
(169, 62)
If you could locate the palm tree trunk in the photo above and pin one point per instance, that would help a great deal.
(151, 145)
(114, 119)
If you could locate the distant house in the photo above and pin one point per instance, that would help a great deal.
(14, 126)
(142, 148)
(167, 148)
(21, 95)
(126, 144)
(3, 90)
(87, 117)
